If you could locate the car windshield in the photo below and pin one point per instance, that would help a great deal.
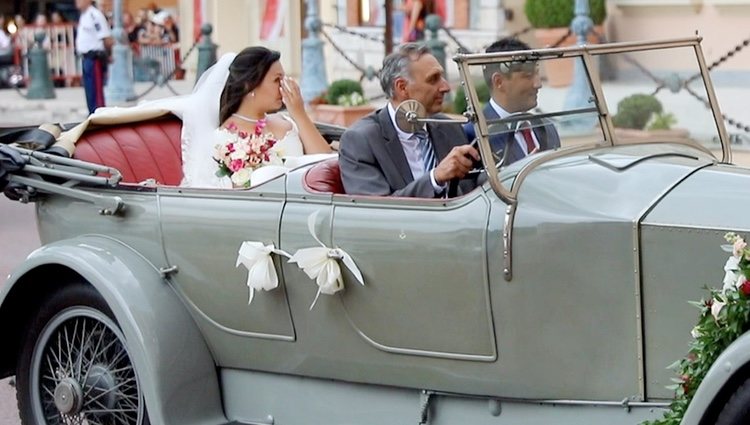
(607, 95)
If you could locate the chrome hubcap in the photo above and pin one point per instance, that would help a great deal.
(68, 397)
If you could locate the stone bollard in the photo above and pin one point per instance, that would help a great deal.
(206, 51)
(40, 86)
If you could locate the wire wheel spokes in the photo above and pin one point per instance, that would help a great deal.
(82, 373)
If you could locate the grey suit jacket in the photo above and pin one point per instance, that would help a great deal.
(545, 133)
(372, 160)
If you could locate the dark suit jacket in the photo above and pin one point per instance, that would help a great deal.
(372, 160)
(545, 133)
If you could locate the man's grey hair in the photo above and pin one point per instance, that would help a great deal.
(397, 63)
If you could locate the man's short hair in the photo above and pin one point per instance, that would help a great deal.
(397, 63)
(507, 44)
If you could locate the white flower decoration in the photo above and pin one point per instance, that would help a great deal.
(321, 264)
(695, 333)
(741, 279)
(716, 307)
(241, 176)
(730, 276)
(738, 247)
(256, 257)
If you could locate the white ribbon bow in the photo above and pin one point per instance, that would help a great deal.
(256, 257)
(321, 264)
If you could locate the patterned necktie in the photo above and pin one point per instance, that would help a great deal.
(523, 127)
(426, 151)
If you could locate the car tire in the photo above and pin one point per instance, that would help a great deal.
(737, 409)
(74, 366)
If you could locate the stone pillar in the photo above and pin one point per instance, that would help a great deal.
(119, 87)
(579, 93)
(314, 80)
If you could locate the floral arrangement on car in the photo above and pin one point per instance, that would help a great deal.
(724, 316)
(239, 153)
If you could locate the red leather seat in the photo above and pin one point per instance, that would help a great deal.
(324, 177)
(142, 150)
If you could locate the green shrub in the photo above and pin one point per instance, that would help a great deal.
(635, 111)
(341, 91)
(459, 102)
(559, 13)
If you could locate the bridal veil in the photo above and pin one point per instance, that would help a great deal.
(200, 121)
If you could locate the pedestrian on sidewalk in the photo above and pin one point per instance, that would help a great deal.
(93, 42)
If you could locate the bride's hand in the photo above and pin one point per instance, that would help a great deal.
(292, 97)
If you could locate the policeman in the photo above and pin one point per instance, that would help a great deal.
(93, 41)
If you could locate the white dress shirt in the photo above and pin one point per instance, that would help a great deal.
(92, 30)
(410, 145)
(502, 113)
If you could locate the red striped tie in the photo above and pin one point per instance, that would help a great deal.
(530, 145)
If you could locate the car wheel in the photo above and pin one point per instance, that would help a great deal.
(737, 409)
(74, 367)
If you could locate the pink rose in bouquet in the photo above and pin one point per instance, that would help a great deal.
(239, 153)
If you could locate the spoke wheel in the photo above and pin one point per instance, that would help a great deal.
(75, 367)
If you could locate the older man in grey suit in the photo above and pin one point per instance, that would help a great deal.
(377, 158)
(513, 88)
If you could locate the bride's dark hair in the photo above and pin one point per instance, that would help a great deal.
(246, 73)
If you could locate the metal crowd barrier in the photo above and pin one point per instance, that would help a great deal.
(59, 42)
(65, 66)
(167, 57)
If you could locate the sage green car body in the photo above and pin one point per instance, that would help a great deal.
(574, 321)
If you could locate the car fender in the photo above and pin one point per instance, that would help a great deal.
(729, 362)
(175, 368)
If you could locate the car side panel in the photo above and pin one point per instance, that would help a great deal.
(568, 321)
(681, 253)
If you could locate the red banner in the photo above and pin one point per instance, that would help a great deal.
(272, 26)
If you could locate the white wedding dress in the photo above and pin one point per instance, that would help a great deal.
(200, 129)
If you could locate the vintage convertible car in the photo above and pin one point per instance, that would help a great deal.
(556, 292)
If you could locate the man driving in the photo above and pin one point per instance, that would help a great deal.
(513, 91)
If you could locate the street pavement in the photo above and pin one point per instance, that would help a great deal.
(18, 237)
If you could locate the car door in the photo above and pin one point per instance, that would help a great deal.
(424, 263)
(203, 231)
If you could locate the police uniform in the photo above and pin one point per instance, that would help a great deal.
(92, 30)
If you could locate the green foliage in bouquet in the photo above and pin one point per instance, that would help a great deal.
(459, 102)
(724, 316)
(342, 92)
(559, 13)
(635, 111)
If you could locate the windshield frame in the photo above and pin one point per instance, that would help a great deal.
(586, 54)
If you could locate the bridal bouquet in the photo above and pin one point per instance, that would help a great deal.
(239, 153)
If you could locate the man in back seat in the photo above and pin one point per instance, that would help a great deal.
(376, 158)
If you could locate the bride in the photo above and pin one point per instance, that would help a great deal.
(238, 91)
